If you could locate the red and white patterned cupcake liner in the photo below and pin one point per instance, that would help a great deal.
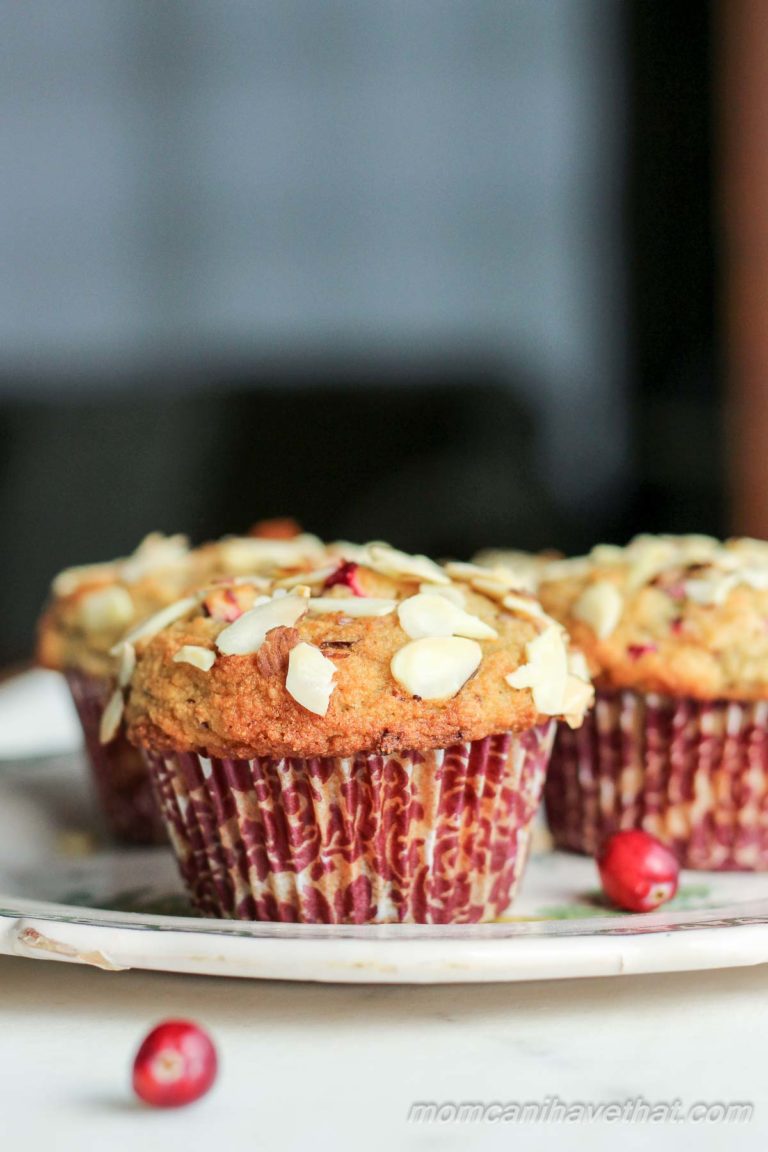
(693, 773)
(435, 837)
(120, 775)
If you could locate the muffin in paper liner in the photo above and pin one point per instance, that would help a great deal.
(432, 837)
(693, 773)
(120, 776)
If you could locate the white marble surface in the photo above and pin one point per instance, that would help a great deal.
(336, 1067)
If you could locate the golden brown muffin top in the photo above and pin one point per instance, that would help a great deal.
(385, 652)
(92, 606)
(680, 615)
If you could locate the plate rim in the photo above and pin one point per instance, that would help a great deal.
(747, 913)
(731, 932)
(371, 958)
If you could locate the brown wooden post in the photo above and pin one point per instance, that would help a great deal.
(741, 37)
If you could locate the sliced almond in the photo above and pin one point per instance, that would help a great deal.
(729, 561)
(350, 605)
(155, 553)
(755, 577)
(252, 580)
(498, 579)
(714, 590)
(647, 557)
(310, 678)
(607, 554)
(424, 615)
(577, 664)
(451, 592)
(748, 550)
(579, 696)
(391, 562)
(576, 566)
(195, 654)
(496, 587)
(247, 634)
(494, 581)
(359, 553)
(600, 607)
(71, 579)
(500, 582)
(311, 579)
(127, 665)
(107, 609)
(243, 554)
(303, 590)
(524, 605)
(462, 570)
(696, 547)
(154, 624)
(545, 671)
(524, 568)
(111, 717)
(436, 667)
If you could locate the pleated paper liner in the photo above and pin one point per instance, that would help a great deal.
(693, 773)
(435, 837)
(120, 776)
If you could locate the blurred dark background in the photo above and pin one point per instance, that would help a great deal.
(439, 273)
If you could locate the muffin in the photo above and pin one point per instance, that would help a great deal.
(91, 609)
(675, 632)
(365, 745)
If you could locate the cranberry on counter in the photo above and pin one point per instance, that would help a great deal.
(176, 1064)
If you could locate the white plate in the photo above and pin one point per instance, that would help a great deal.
(62, 897)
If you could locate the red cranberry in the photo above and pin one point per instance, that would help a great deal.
(222, 604)
(637, 871)
(346, 574)
(674, 586)
(637, 651)
(176, 1064)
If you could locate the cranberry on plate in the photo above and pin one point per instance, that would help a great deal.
(637, 871)
(176, 1064)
